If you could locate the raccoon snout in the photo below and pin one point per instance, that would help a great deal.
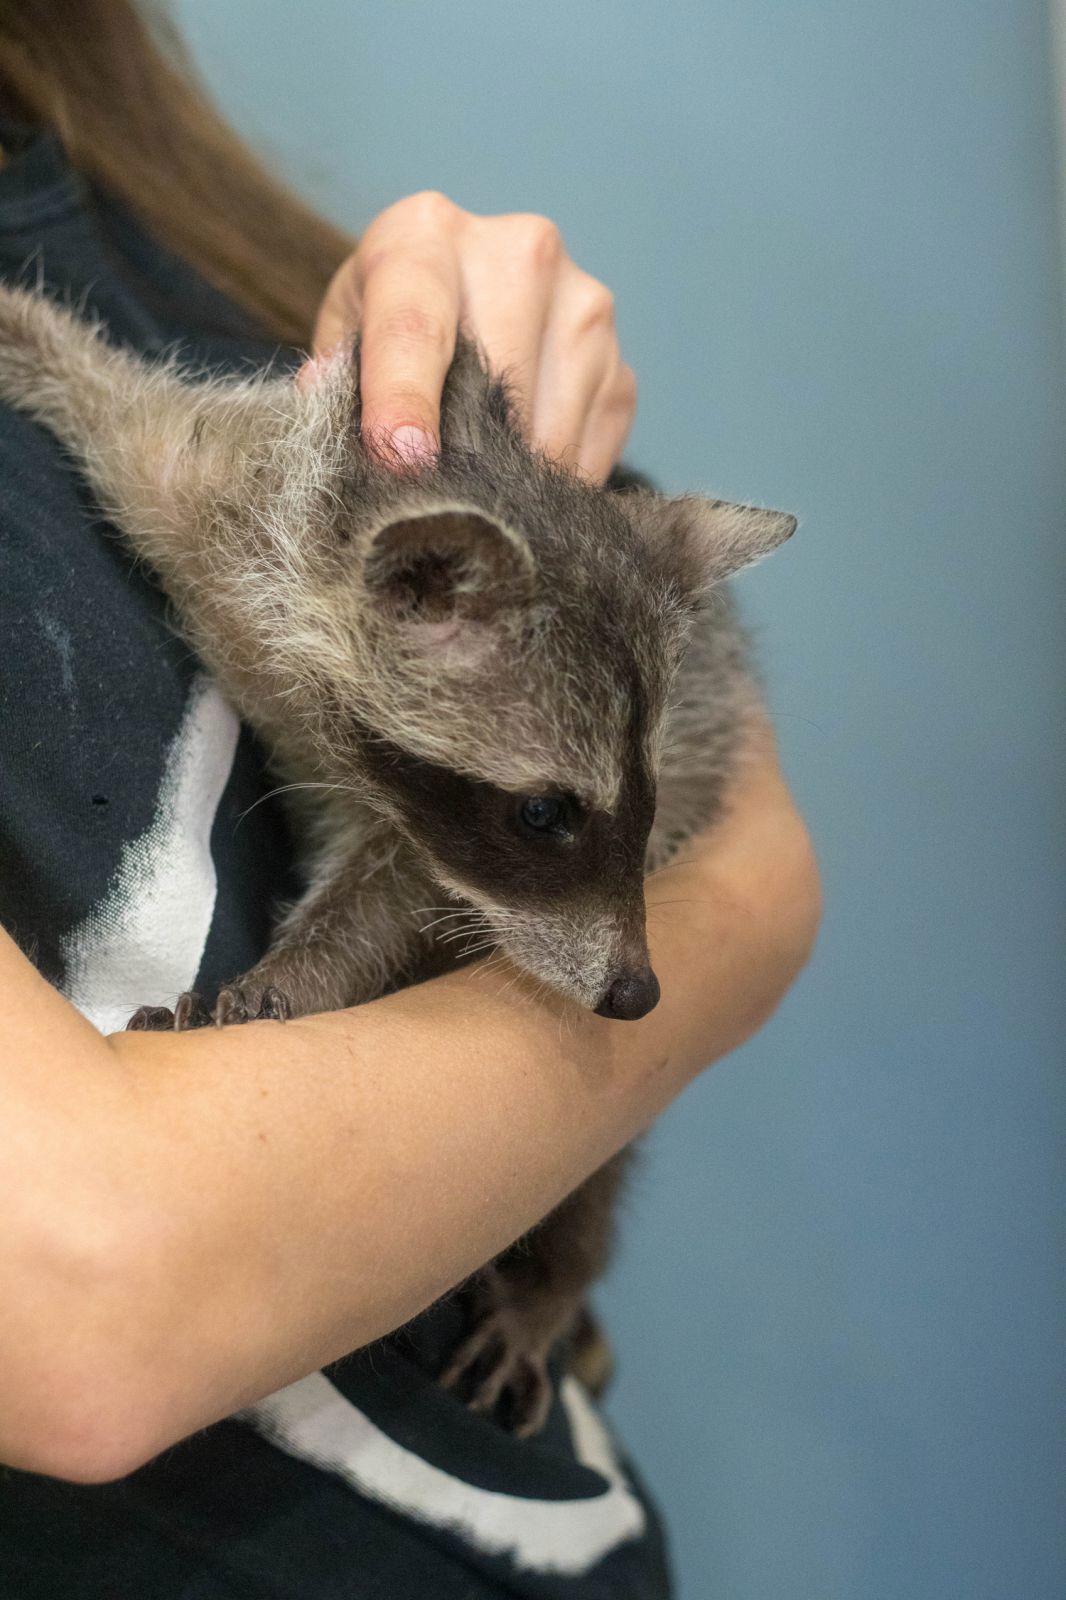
(630, 997)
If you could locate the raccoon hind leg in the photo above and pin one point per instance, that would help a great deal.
(529, 1299)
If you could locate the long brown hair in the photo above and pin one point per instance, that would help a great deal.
(116, 87)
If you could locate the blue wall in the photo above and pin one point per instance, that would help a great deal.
(830, 227)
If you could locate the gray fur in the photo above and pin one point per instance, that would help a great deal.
(418, 650)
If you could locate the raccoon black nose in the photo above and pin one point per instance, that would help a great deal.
(629, 998)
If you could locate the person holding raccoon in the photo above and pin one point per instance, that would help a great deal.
(266, 1326)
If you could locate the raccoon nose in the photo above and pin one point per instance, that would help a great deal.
(628, 998)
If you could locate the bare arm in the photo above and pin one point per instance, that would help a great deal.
(193, 1220)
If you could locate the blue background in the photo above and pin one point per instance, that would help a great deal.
(831, 229)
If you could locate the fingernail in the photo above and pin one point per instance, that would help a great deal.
(414, 445)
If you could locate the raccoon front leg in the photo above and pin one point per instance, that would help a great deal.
(531, 1297)
(352, 935)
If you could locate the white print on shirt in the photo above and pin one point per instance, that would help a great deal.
(311, 1419)
(143, 944)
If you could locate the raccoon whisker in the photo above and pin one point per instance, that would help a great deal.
(659, 905)
(458, 933)
(285, 788)
(544, 988)
(498, 960)
(667, 867)
(485, 967)
(471, 931)
(506, 987)
(490, 968)
(567, 1023)
(490, 919)
(539, 985)
(448, 917)
(678, 767)
(442, 916)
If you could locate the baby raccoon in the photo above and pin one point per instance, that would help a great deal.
(485, 681)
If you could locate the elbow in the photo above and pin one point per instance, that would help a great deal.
(801, 891)
(77, 1437)
(792, 910)
(78, 1398)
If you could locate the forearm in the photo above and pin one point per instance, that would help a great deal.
(266, 1198)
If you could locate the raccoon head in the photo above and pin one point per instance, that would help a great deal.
(521, 629)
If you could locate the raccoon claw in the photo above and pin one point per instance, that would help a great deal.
(231, 1007)
(151, 1019)
(274, 1006)
(190, 1012)
(499, 1367)
(235, 1005)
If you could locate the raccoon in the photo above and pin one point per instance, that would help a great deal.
(496, 695)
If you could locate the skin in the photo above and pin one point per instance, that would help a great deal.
(423, 267)
(193, 1220)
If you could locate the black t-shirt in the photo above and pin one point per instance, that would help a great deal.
(132, 867)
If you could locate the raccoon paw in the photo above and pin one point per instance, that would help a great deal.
(189, 1012)
(151, 1019)
(236, 1003)
(502, 1368)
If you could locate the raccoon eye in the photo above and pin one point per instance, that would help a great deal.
(541, 813)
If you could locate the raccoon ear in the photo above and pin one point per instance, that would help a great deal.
(452, 565)
(706, 541)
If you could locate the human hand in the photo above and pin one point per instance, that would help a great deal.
(423, 268)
